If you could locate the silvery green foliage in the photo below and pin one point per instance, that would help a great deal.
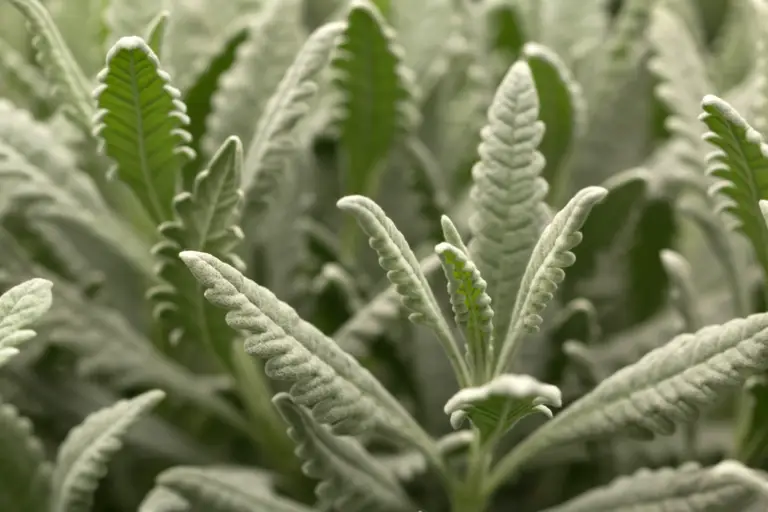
(185, 189)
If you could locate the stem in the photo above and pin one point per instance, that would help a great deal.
(470, 495)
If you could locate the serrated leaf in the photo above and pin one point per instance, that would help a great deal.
(562, 110)
(206, 219)
(350, 479)
(20, 306)
(740, 162)
(689, 488)
(339, 391)
(404, 272)
(545, 271)
(274, 141)
(376, 96)
(497, 405)
(72, 86)
(84, 454)
(668, 386)
(26, 483)
(141, 122)
(472, 308)
(507, 190)
(224, 489)
(274, 38)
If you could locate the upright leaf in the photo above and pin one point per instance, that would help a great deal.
(83, 456)
(350, 479)
(141, 122)
(508, 190)
(124, 18)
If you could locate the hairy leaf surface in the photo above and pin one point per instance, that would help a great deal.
(19, 307)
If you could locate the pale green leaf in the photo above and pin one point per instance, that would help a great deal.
(403, 271)
(274, 38)
(683, 291)
(508, 190)
(154, 34)
(20, 306)
(123, 18)
(545, 271)
(141, 122)
(350, 479)
(83, 456)
(689, 488)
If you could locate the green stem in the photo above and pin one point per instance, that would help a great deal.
(470, 494)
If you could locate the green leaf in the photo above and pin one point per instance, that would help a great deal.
(508, 31)
(20, 306)
(689, 488)
(141, 122)
(26, 483)
(155, 32)
(124, 18)
(274, 142)
(545, 270)
(340, 392)
(350, 479)
(472, 308)
(376, 97)
(508, 191)
(274, 38)
(403, 271)
(496, 406)
(740, 162)
(206, 219)
(83, 456)
(223, 489)
(759, 101)
(562, 110)
(72, 86)
(668, 386)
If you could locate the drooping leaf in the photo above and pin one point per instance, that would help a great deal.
(20, 306)
(83, 456)
(508, 191)
(545, 271)
(141, 122)
(350, 479)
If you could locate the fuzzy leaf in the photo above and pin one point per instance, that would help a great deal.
(223, 489)
(71, 84)
(689, 488)
(472, 308)
(350, 479)
(497, 405)
(403, 271)
(26, 483)
(274, 141)
(508, 190)
(375, 96)
(545, 271)
(141, 122)
(339, 391)
(19, 307)
(206, 219)
(83, 456)
(274, 38)
(562, 110)
(669, 385)
(740, 162)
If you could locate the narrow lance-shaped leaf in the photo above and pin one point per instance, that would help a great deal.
(83, 456)
(19, 307)
(155, 32)
(206, 220)
(26, 483)
(690, 488)
(403, 271)
(545, 271)
(668, 386)
(740, 162)
(350, 479)
(507, 190)
(224, 489)
(376, 103)
(339, 391)
(72, 86)
(273, 144)
(141, 121)
(274, 38)
(472, 309)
